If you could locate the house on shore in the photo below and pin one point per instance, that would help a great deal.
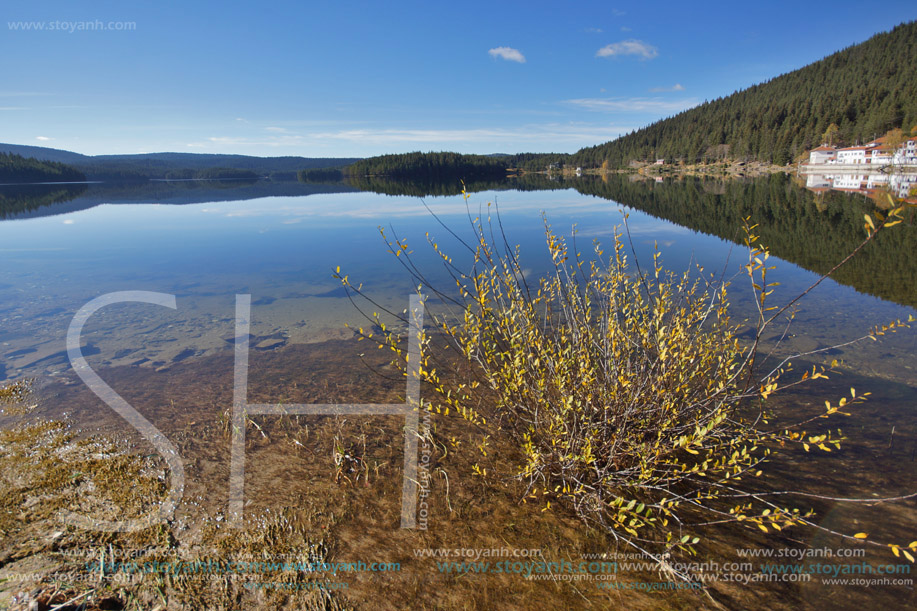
(877, 153)
(853, 155)
(823, 154)
(907, 154)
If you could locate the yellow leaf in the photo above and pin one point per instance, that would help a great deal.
(860, 535)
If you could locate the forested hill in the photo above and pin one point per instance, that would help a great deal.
(17, 169)
(865, 90)
(172, 165)
(442, 166)
(438, 166)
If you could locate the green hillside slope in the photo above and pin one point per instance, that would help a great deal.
(19, 169)
(865, 90)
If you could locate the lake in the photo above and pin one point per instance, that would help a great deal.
(206, 243)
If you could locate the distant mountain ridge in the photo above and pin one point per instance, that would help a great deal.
(43, 153)
(165, 165)
(864, 90)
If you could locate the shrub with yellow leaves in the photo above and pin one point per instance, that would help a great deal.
(628, 391)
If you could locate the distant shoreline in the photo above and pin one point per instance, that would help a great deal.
(726, 169)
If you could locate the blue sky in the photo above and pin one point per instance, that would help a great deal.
(322, 79)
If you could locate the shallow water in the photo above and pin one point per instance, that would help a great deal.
(175, 365)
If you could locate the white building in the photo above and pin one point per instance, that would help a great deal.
(907, 154)
(881, 155)
(876, 153)
(852, 155)
(823, 154)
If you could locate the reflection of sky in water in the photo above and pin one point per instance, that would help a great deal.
(283, 250)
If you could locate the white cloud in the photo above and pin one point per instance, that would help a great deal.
(507, 53)
(277, 130)
(578, 134)
(20, 94)
(628, 47)
(655, 105)
(618, 12)
(282, 140)
(624, 28)
(377, 140)
(594, 30)
(675, 87)
(43, 138)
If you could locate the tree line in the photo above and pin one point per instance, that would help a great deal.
(18, 169)
(440, 166)
(437, 166)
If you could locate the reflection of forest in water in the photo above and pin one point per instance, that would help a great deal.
(813, 229)
(15, 200)
(27, 201)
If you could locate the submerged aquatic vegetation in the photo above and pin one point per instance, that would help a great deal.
(13, 396)
(48, 468)
(627, 391)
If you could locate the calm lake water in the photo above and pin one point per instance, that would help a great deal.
(283, 248)
(280, 243)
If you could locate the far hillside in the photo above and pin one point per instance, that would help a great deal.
(176, 165)
(863, 92)
(442, 166)
(19, 169)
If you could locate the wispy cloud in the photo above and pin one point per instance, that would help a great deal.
(277, 130)
(364, 141)
(675, 87)
(283, 140)
(13, 108)
(655, 105)
(43, 138)
(528, 133)
(628, 47)
(618, 12)
(20, 94)
(594, 30)
(508, 53)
